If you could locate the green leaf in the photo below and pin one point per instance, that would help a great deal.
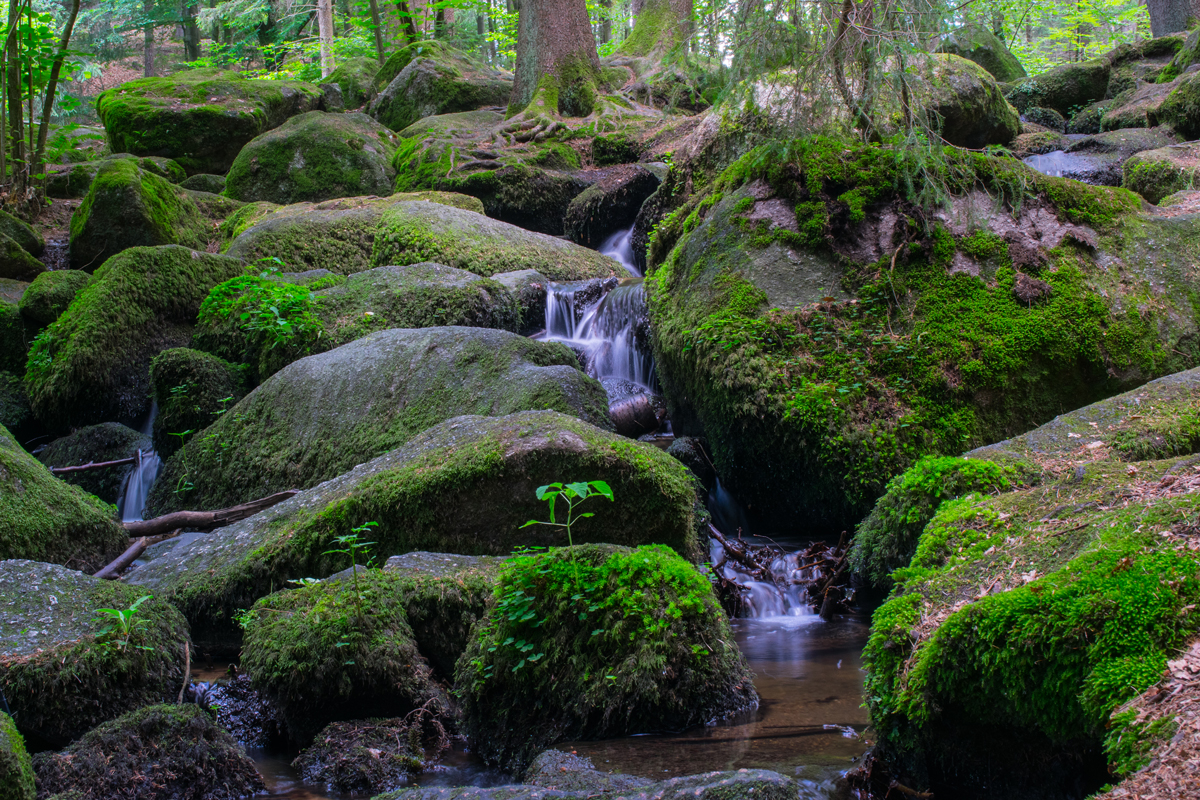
(577, 489)
(602, 488)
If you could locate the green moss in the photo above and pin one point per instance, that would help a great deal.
(192, 389)
(49, 295)
(94, 361)
(615, 148)
(15, 414)
(1129, 742)
(16, 770)
(595, 642)
(60, 674)
(355, 77)
(1154, 179)
(331, 651)
(108, 441)
(427, 79)
(15, 337)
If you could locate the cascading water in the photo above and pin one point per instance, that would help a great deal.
(619, 247)
(137, 485)
(784, 596)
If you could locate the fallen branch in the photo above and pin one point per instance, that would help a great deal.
(120, 462)
(114, 570)
(204, 520)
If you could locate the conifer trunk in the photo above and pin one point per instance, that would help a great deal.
(325, 33)
(662, 26)
(1171, 16)
(556, 52)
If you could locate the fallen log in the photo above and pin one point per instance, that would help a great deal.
(120, 462)
(122, 562)
(204, 520)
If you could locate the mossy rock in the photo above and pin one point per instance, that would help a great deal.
(15, 335)
(15, 413)
(49, 295)
(363, 757)
(1037, 143)
(1046, 117)
(346, 309)
(1088, 120)
(528, 286)
(129, 207)
(61, 673)
(108, 441)
(323, 414)
(93, 363)
(176, 751)
(204, 182)
(465, 485)
(312, 157)
(337, 650)
(1026, 617)
(608, 205)
(1186, 54)
(16, 769)
(646, 648)
(1156, 173)
(1063, 88)
(45, 519)
(16, 263)
(22, 233)
(968, 105)
(1181, 108)
(199, 117)
(77, 180)
(976, 43)
(798, 262)
(435, 79)
(1103, 155)
(192, 389)
(1137, 108)
(355, 78)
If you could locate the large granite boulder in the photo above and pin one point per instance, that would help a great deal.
(192, 389)
(608, 205)
(355, 78)
(20, 245)
(1159, 172)
(49, 295)
(976, 43)
(15, 335)
(431, 77)
(1064, 88)
(75, 181)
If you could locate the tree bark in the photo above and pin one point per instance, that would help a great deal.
(378, 23)
(148, 40)
(556, 51)
(662, 26)
(16, 115)
(204, 520)
(1171, 16)
(606, 22)
(407, 23)
(325, 34)
(191, 31)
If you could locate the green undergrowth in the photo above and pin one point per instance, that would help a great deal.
(193, 390)
(16, 770)
(841, 385)
(593, 642)
(1130, 742)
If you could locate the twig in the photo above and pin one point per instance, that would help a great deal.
(120, 462)
(187, 671)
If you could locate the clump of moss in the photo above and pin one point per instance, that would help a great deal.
(355, 78)
(192, 389)
(336, 650)
(364, 757)
(60, 671)
(16, 769)
(434, 79)
(15, 413)
(175, 751)
(108, 441)
(49, 295)
(593, 642)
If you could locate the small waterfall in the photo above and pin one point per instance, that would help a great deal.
(619, 247)
(137, 485)
(608, 332)
(783, 597)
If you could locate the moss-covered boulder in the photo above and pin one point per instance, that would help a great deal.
(49, 295)
(323, 414)
(1100, 157)
(45, 519)
(466, 485)
(976, 43)
(1009, 316)
(337, 650)
(1025, 618)
(340, 310)
(93, 363)
(16, 769)
(14, 333)
(63, 668)
(1138, 107)
(1063, 88)
(1046, 117)
(1156, 173)
(591, 642)
(199, 117)
(608, 205)
(154, 753)
(129, 207)
(436, 79)
(363, 757)
(315, 156)
(204, 182)
(528, 286)
(356, 234)
(15, 413)
(965, 103)
(192, 389)
(108, 441)
(1181, 108)
(573, 784)
(76, 180)
(20, 245)
(355, 78)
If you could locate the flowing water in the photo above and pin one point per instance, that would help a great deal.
(137, 485)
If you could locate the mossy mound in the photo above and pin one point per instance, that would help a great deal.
(204, 182)
(363, 757)
(315, 156)
(355, 77)
(49, 295)
(60, 671)
(77, 180)
(966, 103)
(14, 334)
(162, 751)
(822, 341)
(976, 43)
(15, 413)
(1064, 88)
(1025, 618)
(1155, 174)
(93, 363)
(594, 641)
(199, 117)
(192, 389)
(337, 650)
(322, 415)
(20, 245)
(1046, 117)
(1181, 108)
(1137, 107)
(466, 485)
(760, 784)
(334, 311)
(22, 233)
(435, 79)
(608, 205)
(528, 286)
(45, 519)
(108, 441)
(129, 207)
(16, 769)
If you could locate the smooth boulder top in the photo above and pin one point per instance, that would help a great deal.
(976, 43)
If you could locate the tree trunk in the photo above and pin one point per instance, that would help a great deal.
(1171, 16)
(556, 51)
(378, 23)
(662, 26)
(16, 115)
(325, 34)
(52, 87)
(605, 22)
(191, 31)
(148, 40)
(439, 24)
(407, 23)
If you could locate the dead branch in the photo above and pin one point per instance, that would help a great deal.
(204, 520)
(120, 462)
(114, 570)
